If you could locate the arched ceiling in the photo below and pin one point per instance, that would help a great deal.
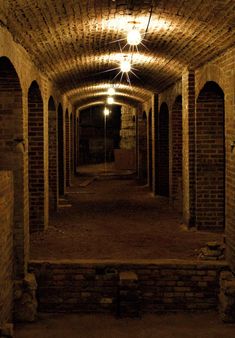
(75, 41)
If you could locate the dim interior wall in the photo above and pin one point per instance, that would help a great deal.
(6, 247)
(128, 132)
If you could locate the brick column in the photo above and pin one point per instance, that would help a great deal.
(67, 149)
(154, 141)
(71, 145)
(188, 108)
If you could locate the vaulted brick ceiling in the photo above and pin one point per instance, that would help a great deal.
(75, 41)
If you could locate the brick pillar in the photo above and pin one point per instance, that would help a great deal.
(154, 141)
(188, 172)
(176, 154)
(142, 137)
(61, 161)
(67, 149)
(53, 156)
(149, 149)
(71, 145)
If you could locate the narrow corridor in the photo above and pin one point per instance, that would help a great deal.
(114, 217)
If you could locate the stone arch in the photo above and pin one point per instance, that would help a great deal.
(60, 142)
(67, 147)
(210, 158)
(52, 154)
(163, 151)
(210, 73)
(36, 158)
(150, 149)
(13, 158)
(176, 150)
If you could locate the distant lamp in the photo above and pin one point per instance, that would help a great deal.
(134, 37)
(125, 66)
(106, 111)
(110, 100)
(111, 91)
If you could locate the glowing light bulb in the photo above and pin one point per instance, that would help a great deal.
(110, 100)
(125, 66)
(111, 91)
(134, 37)
(106, 111)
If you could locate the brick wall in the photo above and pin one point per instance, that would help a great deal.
(36, 158)
(176, 154)
(6, 246)
(163, 151)
(150, 148)
(164, 285)
(142, 135)
(53, 155)
(210, 158)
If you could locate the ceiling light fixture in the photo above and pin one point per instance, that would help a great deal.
(111, 91)
(110, 100)
(134, 37)
(125, 66)
(106, 111)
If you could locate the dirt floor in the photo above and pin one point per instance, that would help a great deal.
(206, 325)
(114, 217)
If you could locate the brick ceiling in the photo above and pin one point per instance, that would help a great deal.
(74, 42)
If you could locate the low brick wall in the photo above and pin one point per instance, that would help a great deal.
(93, 286)
(6, 246)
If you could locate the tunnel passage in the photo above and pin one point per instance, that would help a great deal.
(210, 158)
(163, 150)
(67, 147)
(36, 158)
(143, 147)
(150, 149)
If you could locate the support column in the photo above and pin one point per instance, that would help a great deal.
(188, 91)
(154, 141)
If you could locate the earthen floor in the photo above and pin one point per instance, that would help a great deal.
(116, 218)
(206, 325)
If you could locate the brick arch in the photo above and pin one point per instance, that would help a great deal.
(163, 151)
(210, 158)
(150, 148)
(61, 164)
(52, 154)
(210, 73)
(71, 144)
(176, 153)
(36, 158)
(13, 158)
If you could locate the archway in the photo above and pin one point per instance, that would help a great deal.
(60, 122)
(36, 158)
(52, 155)
(163, 151)
(210, 158)
(176, 154)
(13, 158)
(71, 145)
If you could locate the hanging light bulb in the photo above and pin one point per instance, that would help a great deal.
(110, 100)
(106, 111)
(125, 66)
(134, 37)
(111, 91)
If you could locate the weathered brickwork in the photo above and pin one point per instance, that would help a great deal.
(163, 151)
(210, 166)
(61, 150)
(127, 132)
(36, 159)
(53, 155)
(142, 145)
(6, 247)
(150, 148)
(94, 287)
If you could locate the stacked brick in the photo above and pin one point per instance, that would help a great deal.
(128, 130)
(162, 286)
